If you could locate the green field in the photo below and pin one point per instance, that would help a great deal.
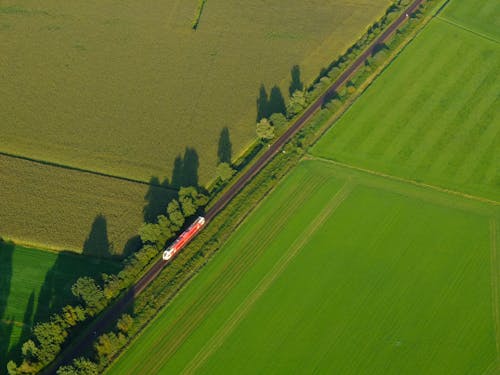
(35, 284)
(343, 272)
(476, 16)
(129, 89)
(433, 115)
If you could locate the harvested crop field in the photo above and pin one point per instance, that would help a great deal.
(128, 89)
(35, 284)
(52, 207)
(341, 272)
(124, 87)
(433, 115)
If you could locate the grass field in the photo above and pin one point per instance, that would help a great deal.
(433, 114)
(35, 284)
(129, 89)
(338, 272)
(477, 16)
(62, 209)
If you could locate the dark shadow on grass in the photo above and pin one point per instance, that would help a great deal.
(329, 97)
(133, 244)
(159, 194)
(379, 47)
(185, 172)
(97, 243)
(157, 198)
(276, 101)
(55, 292)
(296, 82)
(6, 324)
(262, 99)
(15, 351)
(6, 254)
(225, 149)
(269, 104)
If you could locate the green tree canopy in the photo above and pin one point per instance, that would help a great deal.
(264, 130)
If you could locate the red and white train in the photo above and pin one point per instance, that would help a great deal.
(184, 238)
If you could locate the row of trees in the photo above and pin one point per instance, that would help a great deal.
(301, 97)
(49, 337)
(94, 295)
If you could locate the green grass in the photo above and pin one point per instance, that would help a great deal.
(338, 271)
(478, 16)
(35, 284)
(432, 116)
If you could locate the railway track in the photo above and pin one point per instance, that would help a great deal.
(114, 311)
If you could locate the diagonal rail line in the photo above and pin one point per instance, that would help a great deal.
(85, 341)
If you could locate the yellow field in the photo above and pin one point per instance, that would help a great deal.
(57, 208)
(129, 89)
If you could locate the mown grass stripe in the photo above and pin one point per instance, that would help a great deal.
(232, 272)
(413, 106)
(217, 340)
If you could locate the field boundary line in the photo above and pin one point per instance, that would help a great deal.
(492, 368)
(472, 31)
(82, 170)
(494, 283)
(220, 336)
(406, 180)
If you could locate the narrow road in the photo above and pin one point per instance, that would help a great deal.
(114, 311)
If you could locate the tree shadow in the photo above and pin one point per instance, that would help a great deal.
(157, 198)
(276, 101)
(296, 83)
(379, 47)
(269, 104)
(6, 326)
(185, 172)
(6, 254)
(15, 351)
(97, 243)
(225, 149)
(329, 97)
(133, 244)
(159, 194)
(55, 292)
(262, 100)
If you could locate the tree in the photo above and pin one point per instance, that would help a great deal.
(297, 103)
(224, 171)
(167, 230)
(150, 233)
(174, 213)
(12, 368)
(264, 130)
(125, 323)
(187, 199)
(80, 366)
(73, 315)
(29, 350)
(278, 120)
(91, 294)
